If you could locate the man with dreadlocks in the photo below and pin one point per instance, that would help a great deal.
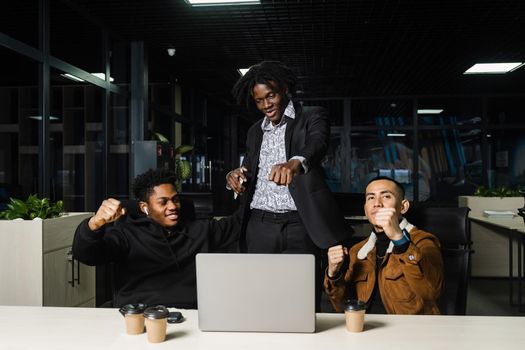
(152, 244)
(287, 206)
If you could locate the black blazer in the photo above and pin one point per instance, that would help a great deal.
(308, 136)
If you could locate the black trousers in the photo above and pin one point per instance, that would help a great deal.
(275, 233)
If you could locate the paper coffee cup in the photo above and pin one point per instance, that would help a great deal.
(156, 323)
(134, 317)
(355, 315)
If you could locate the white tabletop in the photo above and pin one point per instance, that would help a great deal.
(515, 223)
(96, 329)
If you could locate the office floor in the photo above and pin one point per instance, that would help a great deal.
(490, 296)
(486, 297)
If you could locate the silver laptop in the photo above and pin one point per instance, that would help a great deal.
(256, 292)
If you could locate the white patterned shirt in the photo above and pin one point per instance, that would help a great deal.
(268, 195)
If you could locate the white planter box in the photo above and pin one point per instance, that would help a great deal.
(478, 204)
(491, 246)
(35, 267)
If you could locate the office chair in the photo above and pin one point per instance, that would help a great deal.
(452, 227)
(521, 212)
(350, 204)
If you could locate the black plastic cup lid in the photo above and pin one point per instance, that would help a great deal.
(355, 305)
(132, 309)
(156, 312)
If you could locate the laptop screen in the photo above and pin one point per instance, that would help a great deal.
(256, 292)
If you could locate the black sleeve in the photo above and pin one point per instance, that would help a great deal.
(318, 136)
(225, 231)
(98, 247)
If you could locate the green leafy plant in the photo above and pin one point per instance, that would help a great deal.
(482, 191)
(32, 208)
(182, 166)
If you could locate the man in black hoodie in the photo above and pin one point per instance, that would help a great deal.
(153, 251)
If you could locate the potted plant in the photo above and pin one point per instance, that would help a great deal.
(500, 198)
(36, 263)
(31, 209)
(182, 166)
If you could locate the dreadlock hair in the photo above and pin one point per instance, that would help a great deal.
(144, 183)
(399, 186)
(271, 73)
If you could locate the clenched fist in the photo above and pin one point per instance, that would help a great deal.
(282, 174)
(336, 257)
(388, 220)
(109, 211)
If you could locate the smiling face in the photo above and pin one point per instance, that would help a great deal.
(270, 101)
(383, 194)
(163, 206)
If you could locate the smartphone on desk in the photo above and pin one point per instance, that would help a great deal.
(175, 317)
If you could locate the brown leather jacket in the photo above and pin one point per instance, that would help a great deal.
(409, 282)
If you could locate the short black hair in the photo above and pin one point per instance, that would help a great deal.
(144, 183)
(273, 73)
(398, 185)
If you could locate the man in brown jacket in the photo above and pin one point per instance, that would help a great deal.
(397, 270)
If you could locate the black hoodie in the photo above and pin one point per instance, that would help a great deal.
(151, 264)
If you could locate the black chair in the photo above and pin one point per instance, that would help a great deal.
(521, 212)
(350, 204)
(452, 227)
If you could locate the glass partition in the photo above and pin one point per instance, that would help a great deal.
(24, 25)
(449, 163)
(382, 112)
(449, 111)
(506, 158)
(20, 120)
(119, 147)
(382, 153)
(506, 110)
(85, 49)
(76, 142)
(119, 61)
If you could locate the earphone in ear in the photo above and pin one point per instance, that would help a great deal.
(146, 211)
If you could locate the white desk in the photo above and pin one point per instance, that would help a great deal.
(514, 228)
(98, 329)
(514, 223)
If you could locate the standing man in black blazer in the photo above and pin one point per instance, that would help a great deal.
(287, 206)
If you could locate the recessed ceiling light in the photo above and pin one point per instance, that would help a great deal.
(429, 111)
(396, 134)
(102, 76)
(243, 71)
(222, 2)
(39, 117)
(72, 77)
(75, 78)
(493, 68)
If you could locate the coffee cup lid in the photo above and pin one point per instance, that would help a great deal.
(156, 312)
(355, 305)
(132, 309)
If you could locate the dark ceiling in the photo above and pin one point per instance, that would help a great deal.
(337, 48)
